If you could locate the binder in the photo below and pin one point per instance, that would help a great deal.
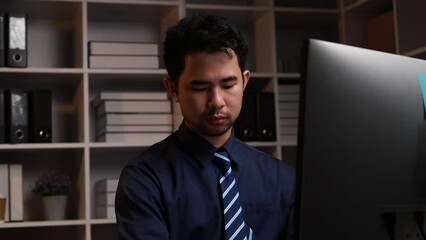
(16, 104)
(2, 44)
(16, 40)
(2, 118)
(246, 124)
(16, 203)
(266, 116)
(40, 116)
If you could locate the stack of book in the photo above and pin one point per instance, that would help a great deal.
(289, 112)
(11, 186)
(124, 55)
(142, 117)
(105, 198)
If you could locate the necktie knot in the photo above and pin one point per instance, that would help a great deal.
(222, 160)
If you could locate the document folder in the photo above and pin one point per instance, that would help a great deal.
(2, 44)
(40, 116)
(16, 40)
(266, 116)
(16, 116)
(246, 124)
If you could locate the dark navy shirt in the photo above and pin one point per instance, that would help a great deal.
(171, 191)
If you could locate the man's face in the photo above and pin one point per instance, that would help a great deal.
(210, 92)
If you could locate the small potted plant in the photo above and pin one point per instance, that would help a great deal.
(53, 187)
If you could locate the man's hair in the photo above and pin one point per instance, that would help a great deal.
(201, 32)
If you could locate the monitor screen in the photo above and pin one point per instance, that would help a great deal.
(362, 141)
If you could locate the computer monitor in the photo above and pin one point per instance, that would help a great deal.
(362, 141)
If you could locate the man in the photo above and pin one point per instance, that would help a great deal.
(179, 187)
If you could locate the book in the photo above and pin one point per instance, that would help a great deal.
(16, 203)
(289, 121)
(288, 97)
(112, 106)
(128, 96)
(289, 106)
(105, 198)
(289, 113)
(4, 187)
(140, 138)
(123, 62)
(289, 88)
(122, 48)
(289, 130)
(106, 185)
(134, 129)
(105, 211)
(290, 140)
(135, 119)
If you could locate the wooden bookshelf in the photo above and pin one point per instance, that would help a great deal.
(58, 36)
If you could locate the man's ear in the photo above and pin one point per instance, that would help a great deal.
(171, 88)
(246, 76)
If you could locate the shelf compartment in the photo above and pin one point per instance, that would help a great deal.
(412, 41)
(107, 164)
(37, 161)
(67, 99)
(120, 82)
(292, 27)
(141, 23)
(356, 16)
(54, 32)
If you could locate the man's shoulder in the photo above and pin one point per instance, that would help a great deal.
(156, 153)
(260, 157)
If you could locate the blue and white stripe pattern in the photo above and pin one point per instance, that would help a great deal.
(235, 226)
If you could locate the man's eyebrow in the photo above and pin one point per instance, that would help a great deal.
(199, 82)
(205, 82)
(228, 79)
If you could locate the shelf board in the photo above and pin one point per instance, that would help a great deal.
(419, 52)
(139, 2)
(27, 224)
(32, 146)
(103, 221)
(291, 76)
(262, 144)
(43, 70)
(197, 6)
(153, 72)
(306, 10)
(109, 145)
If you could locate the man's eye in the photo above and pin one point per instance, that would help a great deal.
(198, 89)
(228, 86)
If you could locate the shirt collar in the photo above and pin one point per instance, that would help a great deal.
(201, 149)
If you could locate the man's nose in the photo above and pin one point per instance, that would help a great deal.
(216, 99)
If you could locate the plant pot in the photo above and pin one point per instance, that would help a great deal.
(54, 207)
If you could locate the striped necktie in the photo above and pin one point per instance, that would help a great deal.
(235, 227)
